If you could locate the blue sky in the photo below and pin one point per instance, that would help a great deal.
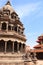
(31, 15)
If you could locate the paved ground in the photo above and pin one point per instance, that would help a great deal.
(40, 62)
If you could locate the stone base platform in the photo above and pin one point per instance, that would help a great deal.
(14, 59)
(11, 59)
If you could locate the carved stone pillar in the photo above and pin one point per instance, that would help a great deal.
(17, 28)
(20, 31)
(13, 48)
(7, 27)
(11, 28)
(0, 26)
(5, 46)
(21, 47)
(18, 47)
(24, 47)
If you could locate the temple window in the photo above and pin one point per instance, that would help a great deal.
(9, 27)
(6, 12)
(15, 46)
(19, 30)
(13, 15)
(15, 28)
(2, 45)
(4, 26)
(22, 32)
(20, 46)
(23, 46)
(1, 16)
(12, 27)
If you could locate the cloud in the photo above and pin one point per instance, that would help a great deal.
(27, 9)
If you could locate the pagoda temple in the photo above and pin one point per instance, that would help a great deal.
(39, 48)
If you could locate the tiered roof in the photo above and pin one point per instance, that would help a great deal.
(39, 47)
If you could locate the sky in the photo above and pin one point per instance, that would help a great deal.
(31, 15)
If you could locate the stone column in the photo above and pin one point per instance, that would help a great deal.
(17, 28)
(13, 48)
(21, 47)
(20, 31)
(18, 47)
(5, 46)
(24, 48)
(7, 26)
(0, 26)
(11, 28)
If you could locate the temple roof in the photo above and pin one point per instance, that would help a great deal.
(9, 8)
(39, 46)
(40, 37)
(37, 50)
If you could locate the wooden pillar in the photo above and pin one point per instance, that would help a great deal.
(5, 46)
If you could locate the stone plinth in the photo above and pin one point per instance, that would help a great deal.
(11, 59)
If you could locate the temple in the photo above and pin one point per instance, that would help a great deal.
(13, 50)
(12, 38)
(38, 49)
